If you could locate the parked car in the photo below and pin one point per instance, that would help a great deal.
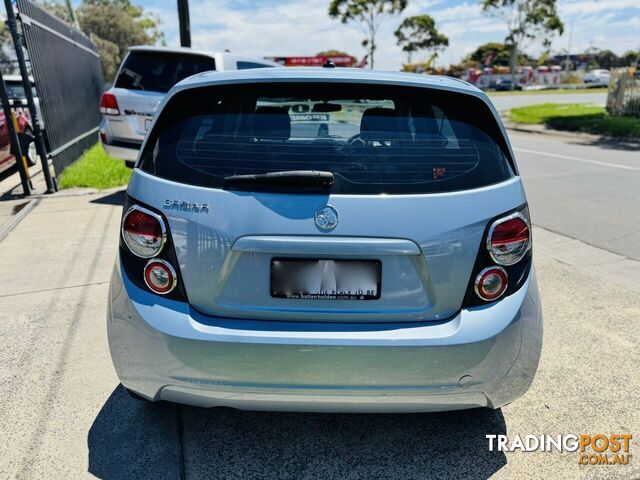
(597, 77)
(381, 262)
(18, 100)
(25, 136)
(504, 85)
(145, 76)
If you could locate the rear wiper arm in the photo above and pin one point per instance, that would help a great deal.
(313, 179)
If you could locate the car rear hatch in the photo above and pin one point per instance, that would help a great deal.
(142, 82)
(393, 238)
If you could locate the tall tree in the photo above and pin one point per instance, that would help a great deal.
(368, 15)
(525, 19)
(420, 33)
(115, 25)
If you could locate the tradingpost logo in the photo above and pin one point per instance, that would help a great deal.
(598, 449)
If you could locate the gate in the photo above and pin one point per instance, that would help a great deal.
(65, 65)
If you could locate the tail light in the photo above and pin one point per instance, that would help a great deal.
(491, 283)
(104, 139)
(160, 276)
(147, 253)
(509, 238)
(143, 232)
(503, 261)
(109, 104)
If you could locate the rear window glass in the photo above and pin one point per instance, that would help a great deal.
(374, 139)
(244, 65)
(159, 71)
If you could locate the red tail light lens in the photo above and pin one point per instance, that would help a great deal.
(509, 239)
(143, 232)
(109, 104)
(491, 283)
(160, 276)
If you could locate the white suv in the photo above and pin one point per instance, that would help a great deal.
(145, 76)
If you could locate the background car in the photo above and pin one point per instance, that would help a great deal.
(597, 77)
(504, 84)
(378, 259)
(18, 99)
(145, 76)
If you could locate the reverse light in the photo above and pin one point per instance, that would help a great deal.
(160, 276)
(509, 239)
(109, 104)
(143, 232)
(491, 283)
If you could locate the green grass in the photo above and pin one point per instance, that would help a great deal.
(577, 117)
(96, 169)
(550, 91)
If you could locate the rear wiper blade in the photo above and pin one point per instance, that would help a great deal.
(313, 179)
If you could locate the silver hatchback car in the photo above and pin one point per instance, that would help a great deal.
(325, 240)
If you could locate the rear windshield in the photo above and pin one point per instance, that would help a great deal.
(374, 139)
(159, 71)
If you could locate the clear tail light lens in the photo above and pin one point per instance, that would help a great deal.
(109, 104)
(509, 239)
(491, 283)
(160, 276)
(143, 232)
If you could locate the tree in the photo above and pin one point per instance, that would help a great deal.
(525, 19)
(496, 54)
(115, 25)
(368, 15)
(420, 33)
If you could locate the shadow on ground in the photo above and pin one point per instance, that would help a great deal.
(115, 198)
(130, 439)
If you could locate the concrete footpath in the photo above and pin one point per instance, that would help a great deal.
(63, 415)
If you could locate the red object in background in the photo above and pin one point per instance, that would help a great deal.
(6, 159)
(339, 60)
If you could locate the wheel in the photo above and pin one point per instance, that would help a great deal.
(130, 163)
(32, 154)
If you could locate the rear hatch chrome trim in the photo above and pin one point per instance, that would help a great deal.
(332, 245)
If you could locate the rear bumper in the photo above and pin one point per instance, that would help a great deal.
(165, 350)
(124, 153)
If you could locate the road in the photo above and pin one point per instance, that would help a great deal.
(64, 415)
(585, 191)
(507, 101)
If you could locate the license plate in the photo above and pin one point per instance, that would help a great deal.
(324, 279)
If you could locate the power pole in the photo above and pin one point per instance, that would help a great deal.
(183, 18)
(72, 14)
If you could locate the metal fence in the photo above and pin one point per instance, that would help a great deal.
(624, 93)
(66, 68)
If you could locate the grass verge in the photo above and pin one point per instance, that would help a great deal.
(577, 117)
(550, 91)
(96, 169)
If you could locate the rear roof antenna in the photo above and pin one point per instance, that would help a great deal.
(328, 64)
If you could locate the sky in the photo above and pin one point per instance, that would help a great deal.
(295, 27)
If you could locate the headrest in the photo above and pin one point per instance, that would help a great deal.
(272, 123)
(379, 124)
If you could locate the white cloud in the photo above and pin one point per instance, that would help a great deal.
(290, 27)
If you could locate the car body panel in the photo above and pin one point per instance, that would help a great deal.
(481, 357)
(231, 343)
(447, 232)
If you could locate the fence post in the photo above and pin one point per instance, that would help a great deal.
(40, 146)
(16, 150)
